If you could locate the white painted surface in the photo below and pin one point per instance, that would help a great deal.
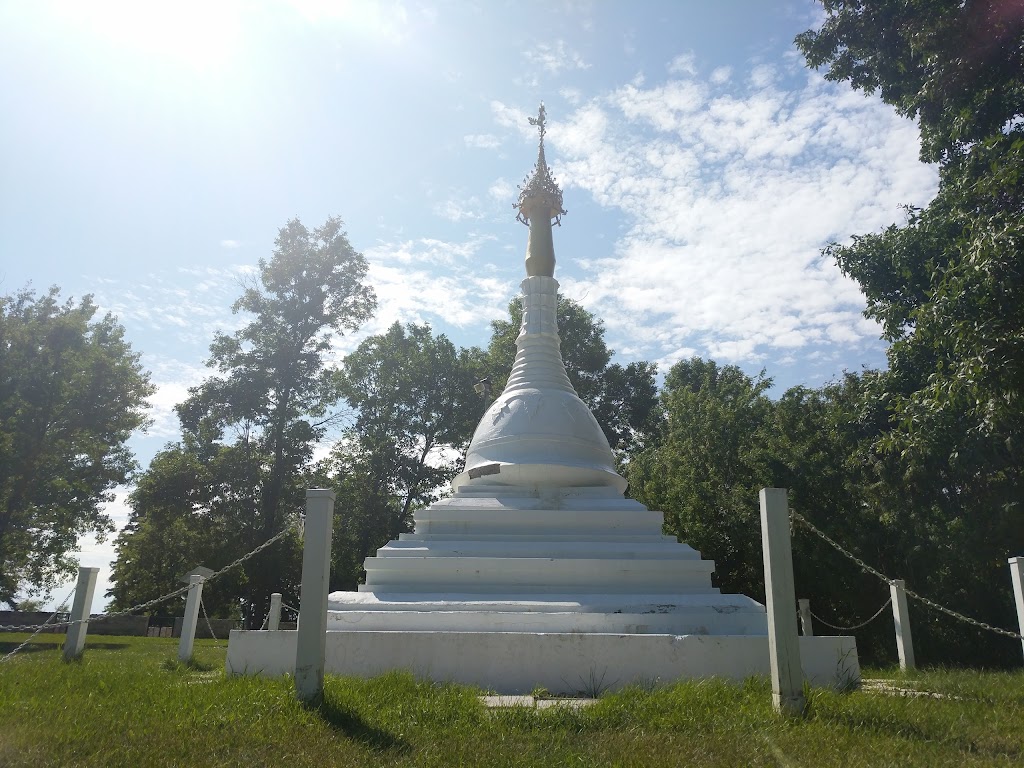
(74, 641)
(538, 433)
(311, 635)
(783, 638)
(564, 663)
(901, 620)
(274, 618)
(806, 625)
(1017, 577)
(191, 617)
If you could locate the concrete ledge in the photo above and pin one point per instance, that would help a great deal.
(563, 663)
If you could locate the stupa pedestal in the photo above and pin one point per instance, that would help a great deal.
(574, 590)
(537, 571)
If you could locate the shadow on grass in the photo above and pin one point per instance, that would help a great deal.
(901, 728)
(43, 645)
(193, 664)
(351, 725)
(6, 648)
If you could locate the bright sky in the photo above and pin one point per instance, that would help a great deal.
(151, 151)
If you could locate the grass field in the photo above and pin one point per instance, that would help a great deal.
(129, 703)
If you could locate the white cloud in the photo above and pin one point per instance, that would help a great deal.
(512, 117)
(374, 19)
(464, 293)
(555, 58)
(455, 209)
(230, 244)
(172, 379)
(190, 303)
(572, 95)
(721, 75)
(502, 190)
(482, 141)
(730, 194)
(684, 64)
(763, 75)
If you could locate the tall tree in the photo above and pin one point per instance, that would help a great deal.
(955, 67)
(259, 419)
(72, 391)
(189, 509)
(623, 398)
(706, 466)
(416, 411)
(947, 285)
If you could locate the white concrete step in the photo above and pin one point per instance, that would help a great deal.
(520, 602)
(669, 550)
(440, 519)
(643, 538)
(698, 621)
(491, 574)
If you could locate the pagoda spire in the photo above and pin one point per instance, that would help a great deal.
(540, 204)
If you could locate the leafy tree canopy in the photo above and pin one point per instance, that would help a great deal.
(416, 410)
(72, 391)
(956, 67)
(947, 285)
(254, 425)
(706, 466)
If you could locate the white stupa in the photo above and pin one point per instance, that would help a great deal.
(537, 571)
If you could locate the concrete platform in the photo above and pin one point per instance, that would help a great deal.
(563, 663)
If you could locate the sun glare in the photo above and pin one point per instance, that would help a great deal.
(198, 35)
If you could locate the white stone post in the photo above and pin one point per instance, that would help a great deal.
(311, 642)
(901, 619)
(783, 640)
(74, 642)
(805, 618)
(274, 617)
(191, 619)
(1017, 576)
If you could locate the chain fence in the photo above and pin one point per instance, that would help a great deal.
(44, 625)
(797, 517)
(878, 613)
(209, 626)
(295, 525)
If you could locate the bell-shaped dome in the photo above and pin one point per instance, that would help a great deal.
(538, 433)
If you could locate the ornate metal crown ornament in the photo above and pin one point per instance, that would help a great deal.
(539, 190)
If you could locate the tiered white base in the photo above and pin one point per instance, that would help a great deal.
(563, 663)
(571, 589)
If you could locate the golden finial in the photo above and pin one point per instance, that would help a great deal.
(539, 194)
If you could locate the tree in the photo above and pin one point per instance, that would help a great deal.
(955, 67)
(622, 398)
(413, 393)
(185, 514)
(72, 391)
(705, 468)
(259, 419)
(947, 286)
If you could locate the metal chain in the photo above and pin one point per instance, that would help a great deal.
(209, 626)
(855, 626)
(41, 627)
(930, 603)
(162, 598)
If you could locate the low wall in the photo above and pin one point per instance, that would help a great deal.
(518, 662)
(134, 626)
(221, 628)
(30, 618)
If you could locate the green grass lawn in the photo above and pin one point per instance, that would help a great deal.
(128, 702)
